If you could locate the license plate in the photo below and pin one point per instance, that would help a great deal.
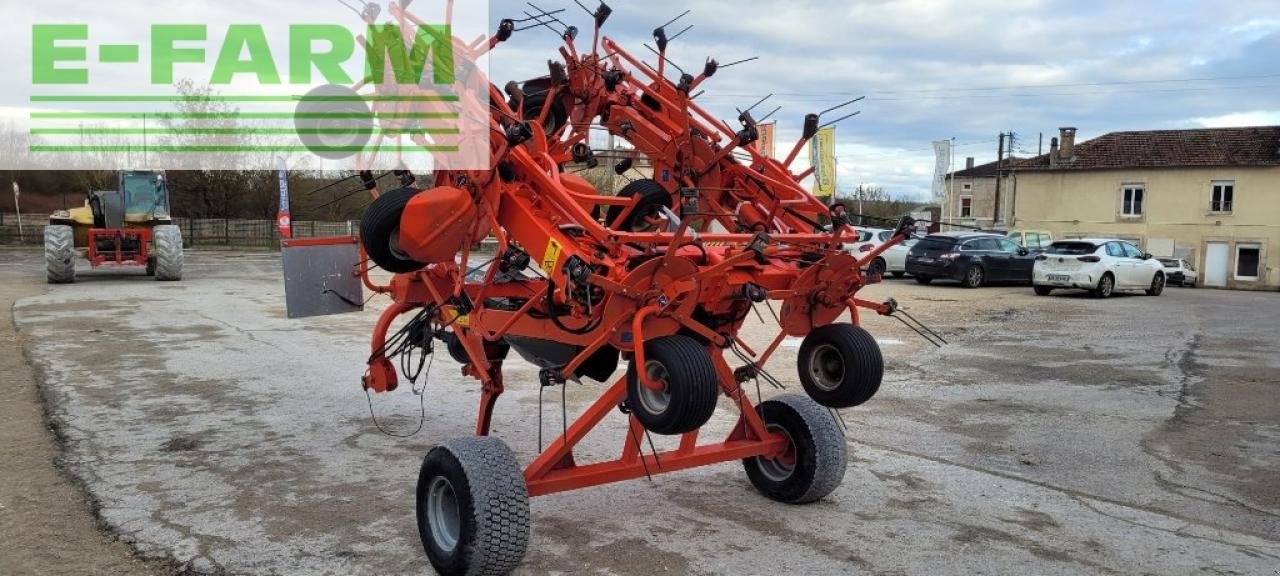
(1059, 278)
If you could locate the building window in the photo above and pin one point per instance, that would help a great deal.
(1248, 261)
(1133, 196)
(1222, 197)
(967, 186)
(966, 206)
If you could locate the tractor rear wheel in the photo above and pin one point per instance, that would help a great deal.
(690, 386)
(840, 365)
(60, 254)
(380, 232)
(813, 464)
(168, 240)
(473, 507)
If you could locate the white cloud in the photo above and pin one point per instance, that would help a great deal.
(1239, 119)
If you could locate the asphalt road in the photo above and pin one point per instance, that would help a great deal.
(1058, 435)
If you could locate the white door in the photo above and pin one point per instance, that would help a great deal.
(1215, 264)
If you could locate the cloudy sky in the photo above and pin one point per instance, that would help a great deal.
(934, 69)
(930, 69)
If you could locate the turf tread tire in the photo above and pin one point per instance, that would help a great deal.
(821, 450)
(493, 503)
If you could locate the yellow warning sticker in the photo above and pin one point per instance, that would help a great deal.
(551, 256)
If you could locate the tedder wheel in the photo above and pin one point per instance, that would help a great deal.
(1043, 290)
(652, 197)
(923, 280)
(380, 232)
(1157, 285)
(840, 365)
(556, 119)
(60, 254)
(690, 386)
(168, 240)
(814, 463)
(473, 507)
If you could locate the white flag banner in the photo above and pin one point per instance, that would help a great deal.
(942, 150)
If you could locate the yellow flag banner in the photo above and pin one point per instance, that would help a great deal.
(767, 131)
(822, 154)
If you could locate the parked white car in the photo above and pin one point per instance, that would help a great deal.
(869, 239)
(1100, 266)
(1179, 272)
(894, 260)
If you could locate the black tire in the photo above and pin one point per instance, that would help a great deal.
(692, 386)
(60, 254)
(1106, 285)
(332, 119)
(473, 507)
(1043, 290)
(876, 268)
(974, 276)
(840, 365)
(652, 197)
(169, 255)
(924, 280)
(1157, 285)
(380, 232)
(818, 455)
(556, 119)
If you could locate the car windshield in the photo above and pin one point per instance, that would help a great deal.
(1169, 263)
(1072, 248)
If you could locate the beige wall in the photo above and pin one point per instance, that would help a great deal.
(984, 195)
(1176, 212)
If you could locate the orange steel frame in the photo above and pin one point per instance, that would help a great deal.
(119, 256)
(654, 299)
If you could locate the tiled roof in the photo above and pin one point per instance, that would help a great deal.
(1256, 146)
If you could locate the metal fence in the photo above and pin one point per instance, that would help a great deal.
(195, 232)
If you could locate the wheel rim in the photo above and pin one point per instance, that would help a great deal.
(781, 468)
(975, 276)
(1106, 286)
(1157, 283)
(826, 365)
(393, 245)
(443, 514)
(655, 401)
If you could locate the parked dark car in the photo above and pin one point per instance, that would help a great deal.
(971, 258)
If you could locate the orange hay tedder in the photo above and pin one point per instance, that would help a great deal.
(660, 276)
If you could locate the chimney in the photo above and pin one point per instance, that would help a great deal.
(1053, 152)
(1068, 150)
(968, 163)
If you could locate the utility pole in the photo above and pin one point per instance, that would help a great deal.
(995, 212)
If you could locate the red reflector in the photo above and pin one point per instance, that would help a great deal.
(1089, 258)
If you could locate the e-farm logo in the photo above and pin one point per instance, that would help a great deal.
(386, 88)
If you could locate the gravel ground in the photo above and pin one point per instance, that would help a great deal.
(1058, 435)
